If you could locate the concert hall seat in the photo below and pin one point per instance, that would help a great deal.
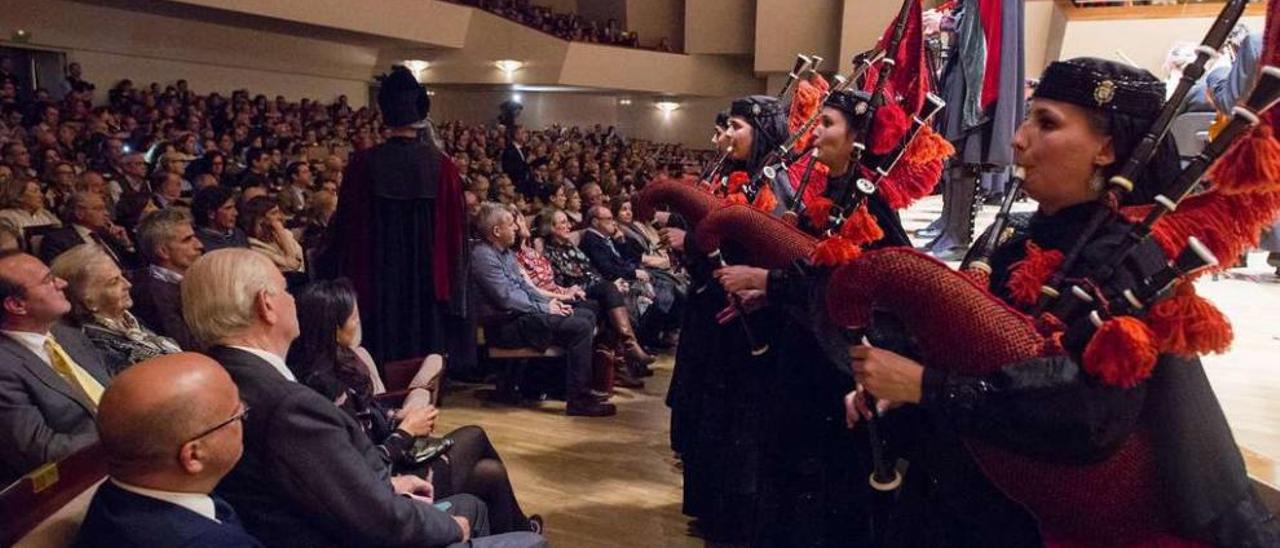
(46, 506)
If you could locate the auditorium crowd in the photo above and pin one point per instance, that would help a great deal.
(164, 227)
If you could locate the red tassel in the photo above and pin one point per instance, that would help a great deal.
(861, 228)
(929, 146)
(1188, 324)
(1252, 164)
(736, 180)
(1030, 274)
(818, 212)
(890, 125)
(1122, 353)
(835, 251)
(765, 200)
(737, 198)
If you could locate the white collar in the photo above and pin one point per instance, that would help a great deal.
(83, 231)
(165, 274)
(31, 341)
(276, 361)
(196, 502)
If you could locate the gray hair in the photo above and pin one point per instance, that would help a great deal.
(78, 266)
(489, 216)
(157, 229)
(220, 290)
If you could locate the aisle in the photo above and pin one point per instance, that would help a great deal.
(598, 482)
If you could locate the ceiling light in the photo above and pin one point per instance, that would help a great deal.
(508, 65)
(666, 106)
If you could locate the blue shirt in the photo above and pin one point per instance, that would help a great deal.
(502, 286)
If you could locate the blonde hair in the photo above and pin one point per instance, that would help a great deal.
(220, 291)
(77, 266)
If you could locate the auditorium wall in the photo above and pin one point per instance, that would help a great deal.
(112, 44)
(1145, 41)
(654, 20)
(689, 125)
(719, 26)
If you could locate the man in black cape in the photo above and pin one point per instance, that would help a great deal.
(399, 232)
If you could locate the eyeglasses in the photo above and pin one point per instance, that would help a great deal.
(239, 416)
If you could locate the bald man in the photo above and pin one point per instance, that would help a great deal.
(171, 428)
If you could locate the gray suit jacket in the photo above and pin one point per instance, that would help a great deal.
(42, 418)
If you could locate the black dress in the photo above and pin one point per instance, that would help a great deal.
(1051, 408)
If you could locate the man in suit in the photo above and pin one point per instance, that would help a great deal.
(168, 241)
(171, 429)
(294, 196)
(51, 378)
(515, 165)
(88, 222)
(310, 476)
(602, 244)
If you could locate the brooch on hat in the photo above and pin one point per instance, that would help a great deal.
(861, 108)
(1105, 92)
(755, 109)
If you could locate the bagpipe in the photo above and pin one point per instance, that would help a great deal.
(962, 328)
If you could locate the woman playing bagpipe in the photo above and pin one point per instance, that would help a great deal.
(1111, 435)
(717, 421)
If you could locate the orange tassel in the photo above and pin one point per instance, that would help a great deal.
(1252, 164)
(929, 146)
(1028, 275)
(1188, 324)
(834, 251)
(1122, 353)
(806, 101)
(1227, 224)
(737, 198)
(765, 200)
(910, 182)
(890, 125)
(861, 228)
(818, 212)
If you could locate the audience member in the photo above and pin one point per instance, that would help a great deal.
(294, 197)
(338, 368)
(213, 210)
(262, 220)
(169, 244)
(51, 379)
(171, 428)
(22, 204)
(89, 223)
(515, 313)
(309, 475)
(100, 303)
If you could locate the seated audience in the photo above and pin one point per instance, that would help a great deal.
(51, 378)
(262, 220)
(514, 313)
(100, 302)
(315, 219)
(338, 368)
(89, 223)
(22, 204)
(605, 245)
(213, 210)
(309, 475)
(171, 428)
(169, 244)
(603, 295)
(296, 193)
